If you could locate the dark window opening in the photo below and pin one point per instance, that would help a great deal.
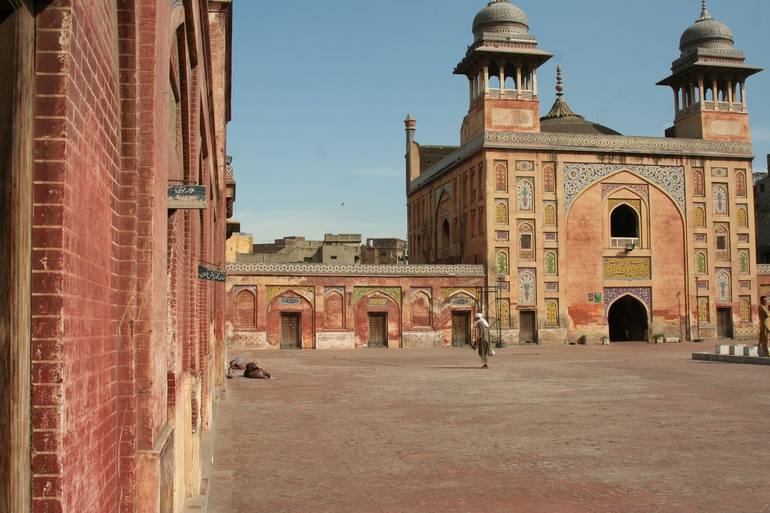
(624, 222)
(526, 241)
(721, 242)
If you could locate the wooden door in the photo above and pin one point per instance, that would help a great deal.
(724, 323)
(461, 329)
(378, 330)
(290, 331)
(527, 328)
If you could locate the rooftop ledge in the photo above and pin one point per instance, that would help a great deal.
(354, 270)
(617, 144)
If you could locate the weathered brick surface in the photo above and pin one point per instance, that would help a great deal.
(119, 316)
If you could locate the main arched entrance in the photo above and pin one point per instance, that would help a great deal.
(628, 320)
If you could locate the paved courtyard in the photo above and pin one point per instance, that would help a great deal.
(625, 428)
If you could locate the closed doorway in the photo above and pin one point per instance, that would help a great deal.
(378, 330)
(527, 327)
(290, 331)
(725, 322)
(461, 329)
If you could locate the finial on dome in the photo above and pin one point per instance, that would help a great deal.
(559, 82)
(704, 12)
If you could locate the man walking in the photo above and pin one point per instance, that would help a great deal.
(764, 326)
(483, 339)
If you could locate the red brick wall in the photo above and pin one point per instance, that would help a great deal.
(118, 311)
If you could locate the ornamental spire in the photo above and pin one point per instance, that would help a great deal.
(560, 107)
(704, 12)
(559, 83)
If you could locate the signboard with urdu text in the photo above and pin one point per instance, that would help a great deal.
(187, 196)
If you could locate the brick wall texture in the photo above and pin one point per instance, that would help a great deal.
(131, 95)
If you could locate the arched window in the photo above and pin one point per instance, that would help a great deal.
(552, 313)
(624, 222)
(743, 217)
(549, 179)
(245, 310)
(444, 246)
(724, 291)
(501, 177)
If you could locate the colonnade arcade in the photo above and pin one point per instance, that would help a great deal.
(512, 80)
(711, 93)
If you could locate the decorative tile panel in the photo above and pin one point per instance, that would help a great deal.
(699, 215)
(550, 237)
(549, 213)
(271, 291)
(552, 286)
(448, 292)
(744, 261)
(552, 313)
(551, 263)
(723, 285)
(641, 189)
(242, 269)
(501, 176)
(701, 238)
(525, 165)
(502, 235)
(627, 268)
(501, 262)
(527, 287)
(699, 182)
(643, 294)
(721, 199)
(743, 238)
(703, 309)
(703, 285)
(745, 308)
(578, 177)
(719, 172)
(740, 183)
(392, 292)
(742, 215)
(549, 177)
(745, 284)
(633, 203)
(525, 194)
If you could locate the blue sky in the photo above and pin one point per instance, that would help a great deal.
(321, 88)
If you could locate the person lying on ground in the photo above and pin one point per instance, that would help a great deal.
(252, 371)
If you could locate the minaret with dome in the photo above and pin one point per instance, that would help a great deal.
(501, 65)
(709, 83)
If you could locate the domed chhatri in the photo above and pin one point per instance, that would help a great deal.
(706, 32)
(502, 19)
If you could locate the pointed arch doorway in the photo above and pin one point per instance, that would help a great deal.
(628, 320)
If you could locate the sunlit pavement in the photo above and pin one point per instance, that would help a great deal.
(624, 428)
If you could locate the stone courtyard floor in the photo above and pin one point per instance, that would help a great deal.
(557, 429)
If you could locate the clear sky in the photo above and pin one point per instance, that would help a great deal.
(321, 88)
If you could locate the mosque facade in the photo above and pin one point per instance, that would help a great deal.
(586, 233)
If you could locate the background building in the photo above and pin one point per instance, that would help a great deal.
(114, 132)
(311, 306)
(762, 215)
(384, 252)
(591, 233)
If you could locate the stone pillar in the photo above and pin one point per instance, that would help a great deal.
(518, 80)
(501, 72)
(730, 91)
(715, 91)
(743, 94)
(702, 91)
(486, 79)
(534, 82)
(676, 100)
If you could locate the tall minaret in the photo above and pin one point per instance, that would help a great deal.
(501, 66)
(709, 83)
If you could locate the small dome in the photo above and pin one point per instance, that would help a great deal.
(562, 119)
(706, 32)
(501, 16)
